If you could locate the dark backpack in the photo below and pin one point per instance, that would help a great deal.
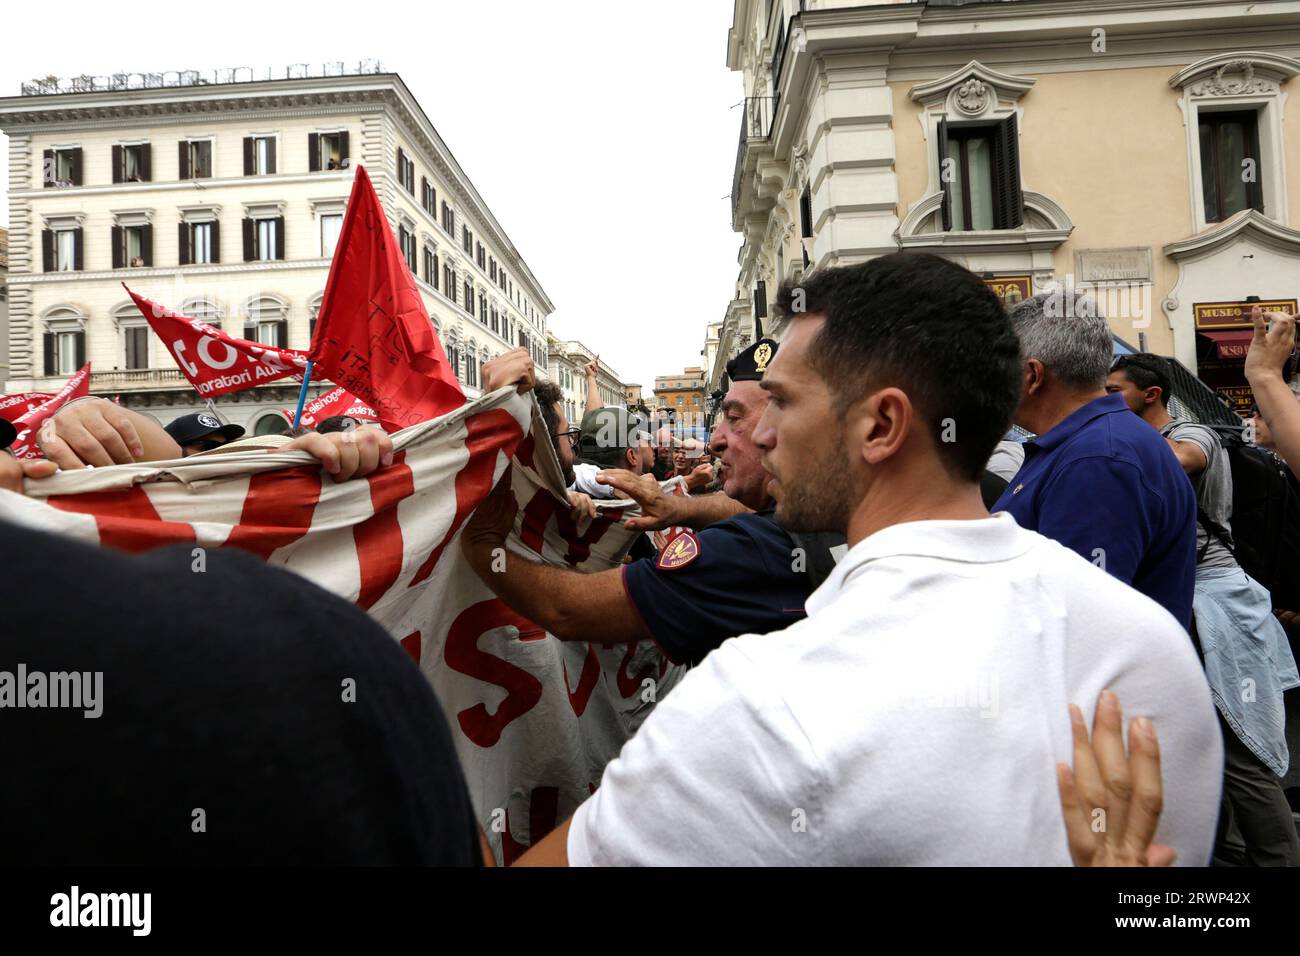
(1265, 536)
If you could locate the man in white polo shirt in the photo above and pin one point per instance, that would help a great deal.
(917, 714)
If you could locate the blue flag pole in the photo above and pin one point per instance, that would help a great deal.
(302, 394)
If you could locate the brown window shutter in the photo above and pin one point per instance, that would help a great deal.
(279, 237)
(313, 152)
(183, 256)
(47, 168)
(146, 163)
(250, 248)
(945, 205)
(250, 331)
(117, 164)
(183, 157)
(50, 367)
(119, 248)
(401, 166)
(282, 334)
(76, 166)
(80, 360)
(47, 250)
(146, 244)
(248, 155)
(216, 241)
(343, 148)
(270, 154)
(1009, 205)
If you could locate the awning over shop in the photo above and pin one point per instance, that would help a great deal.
(1230, 345)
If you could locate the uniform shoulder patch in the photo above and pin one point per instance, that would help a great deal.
(681, 551)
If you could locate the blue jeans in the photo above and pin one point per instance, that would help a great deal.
(1248, 661)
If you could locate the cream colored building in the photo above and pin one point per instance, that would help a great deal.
(222, 197)
(1149, 151)
(566, 366)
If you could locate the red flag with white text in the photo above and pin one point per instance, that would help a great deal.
(373, 335)
(337, 401)
(28, 425)
(13, 407)
(216, 363)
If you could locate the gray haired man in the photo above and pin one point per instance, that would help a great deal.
(1093, 479)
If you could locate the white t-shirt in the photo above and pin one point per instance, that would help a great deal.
(584, 480)
(916, 716)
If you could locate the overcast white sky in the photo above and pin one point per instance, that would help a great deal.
(600, 132)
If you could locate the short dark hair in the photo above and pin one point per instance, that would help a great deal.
(548, 396)
(1146, 370)
(928, 326)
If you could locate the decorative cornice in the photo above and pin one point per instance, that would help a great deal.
(1248, 223)
(1248, 64)
(973, 82)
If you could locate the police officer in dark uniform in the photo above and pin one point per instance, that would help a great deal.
(738, 573)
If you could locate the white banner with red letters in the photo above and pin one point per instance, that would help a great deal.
(534, 720)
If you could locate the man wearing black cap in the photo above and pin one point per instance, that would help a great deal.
(201, 432)
(738, 574)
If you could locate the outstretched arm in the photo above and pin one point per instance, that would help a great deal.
(659, 510)
(569, 604)
(594, 401)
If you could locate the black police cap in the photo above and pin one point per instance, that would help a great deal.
(751, 364)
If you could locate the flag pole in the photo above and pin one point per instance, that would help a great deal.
(302, 394)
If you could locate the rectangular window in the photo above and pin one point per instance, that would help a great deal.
(67, 347)
(133, 252)
(970, 165)
(448, 220)
(201, 245)
(467, 240)
(136, 340)
(135, 164)
(980, 174)
(330, 227)
(449, 282)
(196, 159)
(263, 155)
(62, 167)
(1230, 164)
(65, 250)
(482, 260)
(267, 246)
(331, 152)
(468, 303)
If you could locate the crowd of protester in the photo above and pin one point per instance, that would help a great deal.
(899, 616)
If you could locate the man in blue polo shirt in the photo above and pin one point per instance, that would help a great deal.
(1095, 479)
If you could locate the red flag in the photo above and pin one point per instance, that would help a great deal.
(334, 402)
(214, 362)
(13, 407)
(28, 425)
(373, 335)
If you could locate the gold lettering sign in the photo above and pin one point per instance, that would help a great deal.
(1236, 315)
(1011, 289)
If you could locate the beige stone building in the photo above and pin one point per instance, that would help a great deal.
(222, 196)
(1149, 151)
(566, 366)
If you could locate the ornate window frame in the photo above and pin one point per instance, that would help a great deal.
(978, 93)
(1238, 80)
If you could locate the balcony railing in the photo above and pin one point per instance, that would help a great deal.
(138, 378)
(755, 126)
